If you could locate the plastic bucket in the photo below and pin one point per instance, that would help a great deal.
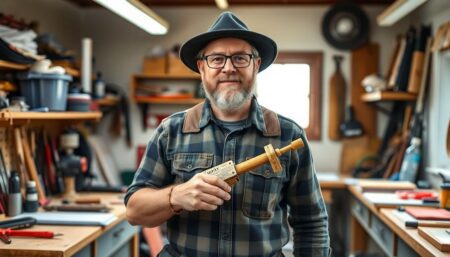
(45, 89)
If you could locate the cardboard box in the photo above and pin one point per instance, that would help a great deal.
(155, 65)
(176, 67)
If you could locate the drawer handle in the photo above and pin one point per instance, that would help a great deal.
(118, 232)
(359, 209)
(381, 231)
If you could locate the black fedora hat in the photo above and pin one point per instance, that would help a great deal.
(228, 25)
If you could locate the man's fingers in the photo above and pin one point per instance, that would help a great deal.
(213, 180)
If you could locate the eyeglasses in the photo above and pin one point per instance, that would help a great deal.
(218, 61)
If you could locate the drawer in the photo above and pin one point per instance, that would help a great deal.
(361, 212)
(85, 252)
(124, 251)
(114, 239)
(405, 250)
(382, 235)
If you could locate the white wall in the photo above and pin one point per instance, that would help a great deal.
(119, 48)
(293, 28)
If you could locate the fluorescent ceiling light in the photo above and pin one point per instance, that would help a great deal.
(397, 10)
(222, 4)
(138, 14)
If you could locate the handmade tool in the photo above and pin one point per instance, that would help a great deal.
(70, 165)
(5, 234)
(230, 172)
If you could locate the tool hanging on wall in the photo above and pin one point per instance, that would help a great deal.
(351, 127)
(336, 104)
(230, 172)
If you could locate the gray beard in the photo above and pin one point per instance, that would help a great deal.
(230, 104)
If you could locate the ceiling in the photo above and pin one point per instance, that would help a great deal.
(175, 3)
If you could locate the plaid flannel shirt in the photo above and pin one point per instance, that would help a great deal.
(255, 222)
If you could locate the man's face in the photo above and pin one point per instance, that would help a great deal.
(229, 87)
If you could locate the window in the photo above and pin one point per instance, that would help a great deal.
(292, 87)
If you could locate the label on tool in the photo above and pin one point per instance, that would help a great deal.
(224, 171)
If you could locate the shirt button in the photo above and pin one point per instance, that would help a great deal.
(189, 166)
(267, 173)
(226, 236)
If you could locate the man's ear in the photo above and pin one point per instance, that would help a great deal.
(200, 65)
(257, 64)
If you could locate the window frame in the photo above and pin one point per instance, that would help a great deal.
(314, 60)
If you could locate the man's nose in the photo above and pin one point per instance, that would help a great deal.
(228, 65)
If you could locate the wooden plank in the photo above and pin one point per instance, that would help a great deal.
(336, 104)
(359, 236)
(354, 149)
(437, 237)
(364, 61)
(388, 96)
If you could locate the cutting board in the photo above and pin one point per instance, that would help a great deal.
(336, 104)
(439, 237)
(354, 149)
(428, 213)
(364, 61)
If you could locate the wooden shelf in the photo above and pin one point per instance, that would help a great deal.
(47, 116)
(168, 76)
(156, 100)
(5, 65)
(388, 96)
(107, 101)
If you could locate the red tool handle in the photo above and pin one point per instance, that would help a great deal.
(30, 233)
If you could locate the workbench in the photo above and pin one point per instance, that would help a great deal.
(118, 239)
(388, 231)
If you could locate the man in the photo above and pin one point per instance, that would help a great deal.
(205, 216)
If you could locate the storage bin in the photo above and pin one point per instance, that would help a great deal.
(155, 66)
(78, 102)
(45, 89)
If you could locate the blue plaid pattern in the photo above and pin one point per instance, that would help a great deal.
(255, 222)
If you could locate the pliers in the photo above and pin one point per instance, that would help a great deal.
(5, 234)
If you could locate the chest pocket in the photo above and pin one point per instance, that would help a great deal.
(262, 189)
(186, 165)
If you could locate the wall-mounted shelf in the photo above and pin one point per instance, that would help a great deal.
(12, 117)
(5, 65)
(142, 82)
(107, 101)
(164, 89)
(388, 96)
(161, 100)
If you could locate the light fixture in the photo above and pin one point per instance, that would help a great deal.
(138, 14)
(222, 4)
(397, 10)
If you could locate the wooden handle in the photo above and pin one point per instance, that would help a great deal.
(263, 158)
(32, 170)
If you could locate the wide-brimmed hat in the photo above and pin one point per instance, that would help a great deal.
(228, 25)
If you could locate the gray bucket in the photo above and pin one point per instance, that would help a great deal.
(45, 89)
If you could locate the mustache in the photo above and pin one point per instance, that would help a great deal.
(229, 79)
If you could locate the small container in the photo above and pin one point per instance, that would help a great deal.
(445, 196)
(78, 102)
(31, 201)
(14, 196)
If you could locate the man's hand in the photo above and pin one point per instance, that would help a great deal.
(201, 192)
